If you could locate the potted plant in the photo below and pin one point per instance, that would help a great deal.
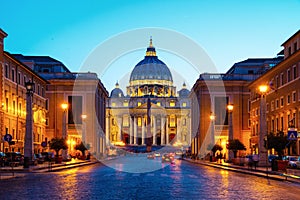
(57, 144)
(235, 145)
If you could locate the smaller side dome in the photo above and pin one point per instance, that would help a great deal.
(117, 92)
(183, 92)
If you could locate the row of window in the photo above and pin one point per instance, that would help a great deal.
(125, 121)
(21, 80)
(171, 104)
(19, 135)
(295, 48)
(278, 123)
(285, 77)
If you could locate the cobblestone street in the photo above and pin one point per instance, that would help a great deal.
(182, 180)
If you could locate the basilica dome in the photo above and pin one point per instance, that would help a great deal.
(151, 68)
(151, 76)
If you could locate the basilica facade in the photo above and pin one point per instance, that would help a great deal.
(151, 109)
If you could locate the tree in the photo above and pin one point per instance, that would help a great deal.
(278, 142)
(235, 145)
(214, 148)
(57, 144)
(82, 147)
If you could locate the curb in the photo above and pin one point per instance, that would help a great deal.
(259, 173)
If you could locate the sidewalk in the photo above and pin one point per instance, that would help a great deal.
(259, 171)
(19, 171)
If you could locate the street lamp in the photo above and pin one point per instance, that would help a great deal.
(262, 151)
(65, 107)
(230, 129)
(212, 132)
(28, 143)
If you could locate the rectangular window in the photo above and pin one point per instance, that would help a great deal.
(125, 121)
(13, 75)
(47, 104)
(14, 107)
(288, 99)
(172, 104)
(277, 82)
(277, 103)
(19, 78)
(75, 110)
(288, 75)
(294, 96)
(282, 79)
(139, 121)
(221, 111)
(24, 80)
(184, 104)
(6, 104)
(139, 103)
(158, 103)
(38, 89)
(125, 103)
(294, 72)
(6, 71)
(172, 121)
(295, 46)
(20, 109)
(290, 51)
(281, 102)
(272, 106)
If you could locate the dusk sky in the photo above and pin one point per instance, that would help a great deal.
(228, 31)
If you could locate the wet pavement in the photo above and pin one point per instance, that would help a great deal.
(141, 178)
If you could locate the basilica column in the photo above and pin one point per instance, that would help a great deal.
(154, 130)
(162, 130)
(134, 129)
(130, 130)
(178, 129)
(119, 137)
(107, 131)
(167, 131)
(143, 130)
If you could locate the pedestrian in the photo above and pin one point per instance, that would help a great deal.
(255, 160)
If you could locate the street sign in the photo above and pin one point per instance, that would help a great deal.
(292, 135)
(7, 138)
(44, 144)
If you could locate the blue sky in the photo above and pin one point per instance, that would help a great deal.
(229, 31)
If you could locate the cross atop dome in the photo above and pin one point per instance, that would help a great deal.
(150, 50)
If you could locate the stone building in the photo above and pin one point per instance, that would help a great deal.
(126, 119)
(13, 77)
(282, 97)
(85, 97)
(210, 96)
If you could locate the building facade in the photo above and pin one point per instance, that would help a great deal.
(85, 97)
(13, 76)
(282, 97)
(127, 121)
(211, 120)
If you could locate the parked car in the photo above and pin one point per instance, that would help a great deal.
(272, 157)
(150, 156)
(157, 154)
(40, 159)
(48, 156)
(291, 161)
(298, 163)
(2, 159)
(14, 157)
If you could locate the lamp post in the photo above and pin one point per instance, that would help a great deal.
(28, 143)
(65, 107)
(262, 151)
(212, 129)
(230, 130)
